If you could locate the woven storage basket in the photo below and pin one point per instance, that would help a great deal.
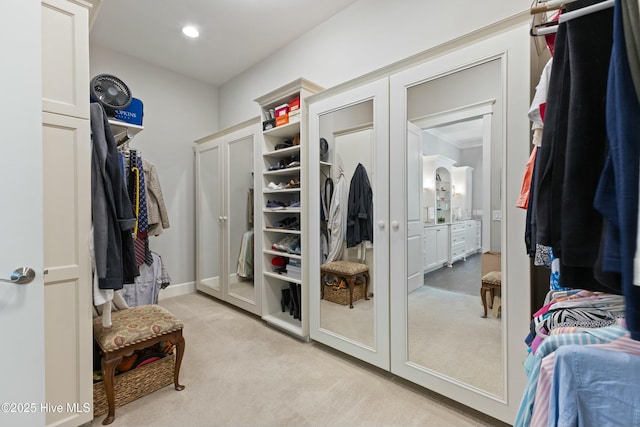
(134, 384)
(341, 296)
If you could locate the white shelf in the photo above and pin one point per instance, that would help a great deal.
(123, 131)
(282, 277)
(290, 129)
(288, 210)
(284, 254)
(286, 190)
(282, 230)
(285, 152)
(285, 171)
(284, 321)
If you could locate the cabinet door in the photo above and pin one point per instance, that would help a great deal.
(65, 58)
(355, 124)
(67, 285)
(431, 245)
(442, 245)
(210, 217)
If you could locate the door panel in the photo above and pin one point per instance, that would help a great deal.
(21, 306)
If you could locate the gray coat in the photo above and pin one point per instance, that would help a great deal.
(113, 218)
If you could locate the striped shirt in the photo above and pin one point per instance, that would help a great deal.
(534, 361)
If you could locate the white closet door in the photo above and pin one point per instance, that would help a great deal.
(355, 123)
(21, 306)
(67, 226)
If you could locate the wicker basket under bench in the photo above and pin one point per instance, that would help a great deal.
(134, 384)
(134, 329)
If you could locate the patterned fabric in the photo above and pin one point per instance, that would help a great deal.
(492, 278)
(158, 218)
(134, 325)
(141, 243)
(346, 268)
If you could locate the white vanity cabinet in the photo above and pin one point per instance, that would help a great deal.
(458, 242)
(435, 246)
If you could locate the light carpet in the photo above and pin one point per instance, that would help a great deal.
(240, 372)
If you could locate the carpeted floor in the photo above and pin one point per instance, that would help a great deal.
(240, 372)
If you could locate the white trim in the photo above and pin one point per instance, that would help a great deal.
(177, 290)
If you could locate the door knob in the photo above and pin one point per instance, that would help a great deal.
(395, 225)
(381, 225)
(21, 276)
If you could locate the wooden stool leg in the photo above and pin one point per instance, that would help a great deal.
(321, 285)
(483, 294)
(179, 353)
(366, 285)
(109, 364)
(351, 282)
(492, 294)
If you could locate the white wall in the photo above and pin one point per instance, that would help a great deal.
(366, 36)
(177, 111)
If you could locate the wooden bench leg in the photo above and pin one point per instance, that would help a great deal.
(109, 364)
(179, 353)
(351, 281)
(366, 285)
(483, 295)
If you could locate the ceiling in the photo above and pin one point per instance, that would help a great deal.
(464, 134)
(234, 34)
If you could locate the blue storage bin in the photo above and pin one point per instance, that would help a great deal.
(132, 114)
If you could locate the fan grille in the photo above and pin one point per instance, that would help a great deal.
(110, 91)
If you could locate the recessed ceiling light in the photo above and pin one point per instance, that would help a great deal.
(190, 31)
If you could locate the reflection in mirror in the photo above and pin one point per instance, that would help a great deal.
(452, 191)
(349, 133)
(240, 219)
(210, 212)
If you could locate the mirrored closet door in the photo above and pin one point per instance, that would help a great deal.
(225, 219)
(348, 225)
(445, 181)
(454, 152)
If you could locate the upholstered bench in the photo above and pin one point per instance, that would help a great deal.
(349, 271)
(134, 329)
(491, 278)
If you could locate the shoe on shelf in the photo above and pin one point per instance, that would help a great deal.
(294, 183)
(294, 247)
(295, 204)
(284, 243)
(294, 164)
(273, 186)
(274, 204)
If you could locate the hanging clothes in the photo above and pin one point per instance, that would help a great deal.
(617, 196)
(245, 259)
(359, 209)
(113, 218)
(158, 217)
(574, 145)
(146, 288)
(337, 220)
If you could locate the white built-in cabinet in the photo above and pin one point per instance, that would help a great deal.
(397, 335)
(282, 204)
(228, 222)
(67, 210)
(435, 246)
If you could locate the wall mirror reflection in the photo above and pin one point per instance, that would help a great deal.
(347, 177)
(453, 212)
(225, 219)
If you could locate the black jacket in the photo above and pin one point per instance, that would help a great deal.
(359, 209)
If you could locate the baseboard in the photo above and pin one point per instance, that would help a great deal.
(177, 290)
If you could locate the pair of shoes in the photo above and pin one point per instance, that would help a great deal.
(294, 248)
(294, 164)
(289, 223)
(338, 286)
(284, 244)
(274, 204)
(279, 186)
(295, 290)
(294, 183)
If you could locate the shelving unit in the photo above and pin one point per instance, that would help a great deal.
(123, 131)
(274, 282)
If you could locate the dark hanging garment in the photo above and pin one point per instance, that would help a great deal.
(359, 209)
(113, 218)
